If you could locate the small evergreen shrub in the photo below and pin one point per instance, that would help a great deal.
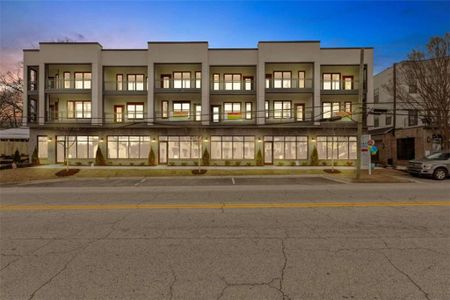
(314, 157)
(151, 158)
(16, 157)
(205, 158)
(35, 157)
(259, 158)
(99, 158)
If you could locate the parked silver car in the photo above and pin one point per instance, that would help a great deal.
(436, 165)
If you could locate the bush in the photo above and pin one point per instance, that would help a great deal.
(35, 158)
(349, 163)
(248, 164)
(205, 158)
(171, 163)
(314, 157)
(99, 158)
(151, 158)
(305, 163)
(293, 163)
(324, 163)
(237, 164)
(280, 163)
(184, 164)
(259, 158)
(16, 157)
(195, 163)
(227, 163)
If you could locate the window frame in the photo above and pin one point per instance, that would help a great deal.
(302, 81)
(83, 81)
(164, 110)
(248, 110)
(283, 80)
(135, 82)
(233, 82)
(73, 115)
(331, 81)
(283, 109)
(302, 119)
(182, 110)
(185, 83)
(67, 80)
(198, 80)
(233, 104)
(122, 118)
(344, 82)
(244, 81)
(143, 139)
(119, 82)
(231, 139)
(135, 104)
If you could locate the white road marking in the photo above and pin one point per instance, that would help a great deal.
(142, 181)
(232, 179)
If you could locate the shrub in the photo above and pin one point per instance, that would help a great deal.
(237, 164)
(293, 163)
(78, 163)
(259, 158)
(16, 157)
(184, 164)
(280, 163)
(151, 158)
(305, 163)
(324, 163)
(349, 163)
(195, 163)
(248, 164)
(131, 164)
(35, 158)
(99, 158)
(227, 163)
(171, 163)
(205, 158)
(314, 157)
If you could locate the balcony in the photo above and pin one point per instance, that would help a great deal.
(232, 87)
(294, 85)
(68, 86)
(125, 87)
(339, 87)
(65, 118)
(178, 86)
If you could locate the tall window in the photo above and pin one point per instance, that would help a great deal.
(216, 114)
(128, 147)
(248, 83)
(216, 82)
(182, 80)
(331, 81)
(232, 81)
(165, 81)
(301, 79)
(348, 82)
(82, 80)
(232, 111)
(281, 109)
(78, 147)
(388, 120)
(183, 147)
(33, 80)
(66, 76)
(266, 108)
(300, 112)
(289, 147)
(118, 113)
(181, 109)
(78, 109)
(135, 111)
(42, 146)
(282, 80)
(119, 82)
(268, 80)
(198, 112)
(340, 147)
(135, 82)
(376, 121)
(413, 116)
(248, 110)
(164, 109)
(198, 80)
(232, 147)
(348, 106)
(329, 109)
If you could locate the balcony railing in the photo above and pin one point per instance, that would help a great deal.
(33, 86)
(125, 86)
(232, 86)
(65, 117)
(178, 84)
(339, 85)
(68, 84)
(293, 83)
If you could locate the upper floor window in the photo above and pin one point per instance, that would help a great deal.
(248, 83)
(182, 80)
(281, 109)
(135, 110)
(216, 82)
(282, 80)
(248, 110)
(135, 82)
(300, 112)
(301, 79)
(33, 80)
(232, 81)
(66, 76)
(413, 116)
(82, 80)
(331, 81)
(164, 109)
(376, 121)
(330, 109)
(232, 111)
(266, 108)
(78, 109)
(268, 80)
(165, 81)
(348, 106)
(198, 112)
(119, 82)
(348, 82)
(388, 120)
(198, 80)
(181, 109)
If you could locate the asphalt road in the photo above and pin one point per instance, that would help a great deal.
(385, 248)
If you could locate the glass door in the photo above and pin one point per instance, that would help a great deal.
(162, 153)
(268, 153)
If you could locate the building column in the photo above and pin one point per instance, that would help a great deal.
(97, 94)
(150, 93)
(25, 96)
(260, 92)
(205, 93)
(316, 109)
(42, 99)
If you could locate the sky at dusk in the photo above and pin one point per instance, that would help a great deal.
(392, 28)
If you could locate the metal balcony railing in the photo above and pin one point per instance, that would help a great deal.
(68, 84)
(125, 86)
(292, 83)
(33, 86)
(178, 83)
(76, 116)
(339, 85)
(232, 85)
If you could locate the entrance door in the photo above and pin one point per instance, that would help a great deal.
(268, 153)
(162, 153)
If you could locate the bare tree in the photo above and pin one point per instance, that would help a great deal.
(428, 74)
(11, 98)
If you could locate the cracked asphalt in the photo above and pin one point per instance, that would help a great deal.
(251, 253)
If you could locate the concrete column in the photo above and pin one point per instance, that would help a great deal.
(42, 100)
(317, 109)
(260, 92)
(205, 93)
(150, 93)
(25, 96)
(97, 94)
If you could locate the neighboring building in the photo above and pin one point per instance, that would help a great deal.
(13, 139)
(180, 98)
(398, 131)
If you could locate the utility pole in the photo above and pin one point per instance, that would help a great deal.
(394, 107)
(360, 114)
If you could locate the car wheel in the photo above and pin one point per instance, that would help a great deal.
(440, 174)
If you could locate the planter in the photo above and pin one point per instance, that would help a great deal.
(199, 172)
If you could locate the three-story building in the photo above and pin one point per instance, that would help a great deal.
(179, 99)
